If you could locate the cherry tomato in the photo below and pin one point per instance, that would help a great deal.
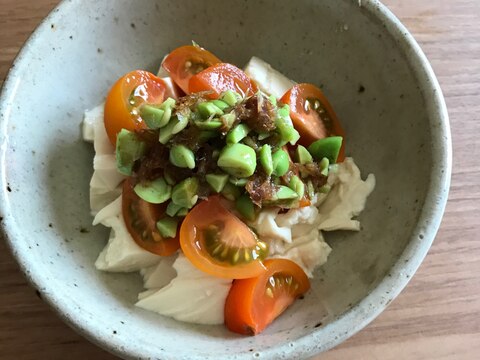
(141, 218)
(125, 99)
(186, 61)
(219, 243)
(312, 115)
(222, 77)
(252, 304)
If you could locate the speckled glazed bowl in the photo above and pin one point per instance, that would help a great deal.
(369, 66)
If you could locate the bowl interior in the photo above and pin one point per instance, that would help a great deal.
(70, 64)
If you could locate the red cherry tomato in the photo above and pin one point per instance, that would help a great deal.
(186, 61)
(222, 77)
(312, 115)
(252, 304)
(219, 243)
(141, 220)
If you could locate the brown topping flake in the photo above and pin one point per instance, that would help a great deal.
(258, 113)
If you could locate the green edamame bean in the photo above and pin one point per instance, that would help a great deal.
(154, 192)
(180, 122)
(310, 189)
(222, 105)
(238, 160)
(285, 128)
(128, 150)
(238, 182)
(273, 100)
(297, 185)
(302, 155)
(231, 192)
(237, 133)
(231, 97)
(157, 116)
(245, 207)
(285, 193)
(169, 103)
(209, 125)
(182, 212)
(281, 162)
(177, 123)
(216, 181)
(324, 163)
(208, 108)
(167, 227)
(172, 209)
(328, 147)
(182, 157)
(265, 155)
(153, 116)
(227, 120)
(184, 193)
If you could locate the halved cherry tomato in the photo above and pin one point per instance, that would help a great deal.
(312, 115)
(252, 304)
(219, 243)
(222, 77)
(186, 61)
(126, 97)
(141, 218)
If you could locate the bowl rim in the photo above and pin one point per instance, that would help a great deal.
(354, 319)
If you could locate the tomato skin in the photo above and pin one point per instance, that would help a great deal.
(309, 123)
(139, 86)
(193, 244)
(141, 216)
(248, 308)
(186, 61)
(222, 77)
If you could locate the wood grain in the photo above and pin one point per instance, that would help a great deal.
(436, 317)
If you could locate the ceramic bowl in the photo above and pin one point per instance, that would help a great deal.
(371, 69)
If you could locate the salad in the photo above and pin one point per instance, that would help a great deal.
(217, 183)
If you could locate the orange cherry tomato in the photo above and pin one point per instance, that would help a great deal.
(125, 99)
(312, 115)
(222, 77)
(141, 220)
(252, 304)
(219, 243)
(186, 61)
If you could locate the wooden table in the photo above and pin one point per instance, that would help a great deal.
(436, 317)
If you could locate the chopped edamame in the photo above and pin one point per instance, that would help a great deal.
(302, 155)
(281, 162)
(128, 150)
(238, 160)
(167, 227)
(155, 192)
(184, 193)
(328, 147)
(237, 133)
(265, 155)
(182, 157)
(245, 207)
(216, 181)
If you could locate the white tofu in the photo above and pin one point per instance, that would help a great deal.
(269, 80)
(121, 254)
(192, 296)
(346, 200)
